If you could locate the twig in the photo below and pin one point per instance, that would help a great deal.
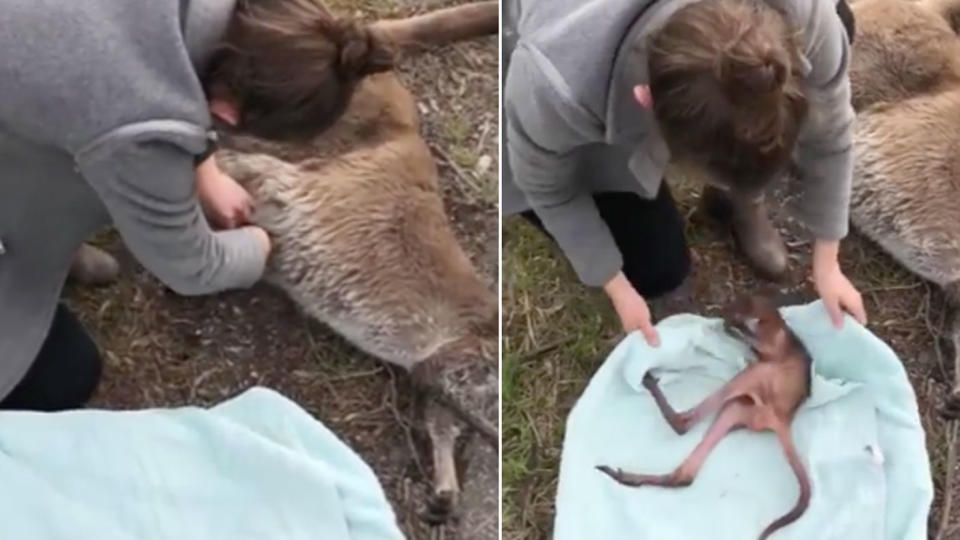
(390, 401)
(357, 375)
(200, 380)
(952, 430)
(483, 136)
(463, 175)
(551, 346)
(533, 462)
(935, 333)
(890, 288)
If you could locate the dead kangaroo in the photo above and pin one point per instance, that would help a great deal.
(362, 243)
(764, 396)
(905, 76)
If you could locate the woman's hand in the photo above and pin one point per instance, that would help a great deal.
(836, 291)
(224, 201)
(632, 308)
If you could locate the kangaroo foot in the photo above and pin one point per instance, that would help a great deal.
(93, 267)
(951, 408)
(466, 386)
(443, 432)
(638, 480)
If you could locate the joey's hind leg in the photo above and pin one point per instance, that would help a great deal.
(443, 431)
(732, 416)
(951, 408)
(681, 422)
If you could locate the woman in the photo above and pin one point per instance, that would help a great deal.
(107, 116)
(599, 96)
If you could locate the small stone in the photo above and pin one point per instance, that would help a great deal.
(483, 164)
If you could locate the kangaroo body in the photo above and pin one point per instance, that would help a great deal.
(905, 76)
(362, 243)
(361, 238)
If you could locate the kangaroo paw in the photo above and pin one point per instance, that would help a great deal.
(443, 431)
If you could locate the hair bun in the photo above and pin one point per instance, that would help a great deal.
(767, 77)
(361, 53)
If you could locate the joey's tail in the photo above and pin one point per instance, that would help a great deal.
(948, 9)
(442, 26)
(786, 441)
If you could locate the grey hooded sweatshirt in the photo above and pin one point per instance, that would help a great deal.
(101, 117)
(573, 128)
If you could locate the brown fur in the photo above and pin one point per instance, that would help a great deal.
(905, 76)
(764, 396)
(903, 49)
(363, 244)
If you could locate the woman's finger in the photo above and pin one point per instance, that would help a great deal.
(835, 312)
(650, 334)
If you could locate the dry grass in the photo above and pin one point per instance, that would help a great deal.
(557, 332)
(164, 350)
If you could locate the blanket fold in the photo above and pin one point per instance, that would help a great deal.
(859, 436)
(255, 467)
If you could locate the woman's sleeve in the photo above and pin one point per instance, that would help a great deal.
(149, 191)
(543, 129)
(824, 152)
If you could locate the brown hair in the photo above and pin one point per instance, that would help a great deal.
(727, 89)
(291, 67)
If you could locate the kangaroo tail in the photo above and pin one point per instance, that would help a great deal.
(442, 26)
(783, 433)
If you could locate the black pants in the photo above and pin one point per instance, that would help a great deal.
(650, 236)
(65, 373)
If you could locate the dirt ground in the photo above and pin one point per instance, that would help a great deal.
(556, 333)
(165, 350)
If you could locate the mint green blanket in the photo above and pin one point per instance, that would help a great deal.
(859, 436)
(256, 467)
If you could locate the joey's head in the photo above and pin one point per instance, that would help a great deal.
(756, 319)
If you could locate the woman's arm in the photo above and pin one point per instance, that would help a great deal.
(149, 191)
(824, 152)
(226, 203)
(543, 128)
